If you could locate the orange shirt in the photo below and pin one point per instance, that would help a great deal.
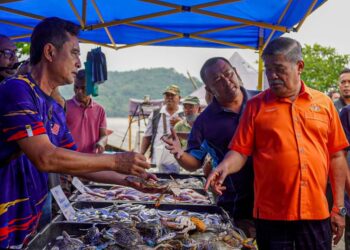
(291, 143)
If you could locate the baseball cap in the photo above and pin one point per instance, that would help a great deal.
(172, 89)
(191, 100)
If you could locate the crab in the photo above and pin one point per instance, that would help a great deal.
(164, 187)
(125, 235)
(65, 242)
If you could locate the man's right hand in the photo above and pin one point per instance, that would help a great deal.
(173, 144)
(131, 163)
(216, 179)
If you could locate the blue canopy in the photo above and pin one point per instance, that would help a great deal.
(195, 23)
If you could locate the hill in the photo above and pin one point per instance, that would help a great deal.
(114, 94)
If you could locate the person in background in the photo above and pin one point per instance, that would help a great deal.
(30, 145)
(334, 95)
(296, 139)
(344, 90)
(8, 57)
(161, 120)
(86, 119)
(344, 82)
(191, 107)
(211, 134)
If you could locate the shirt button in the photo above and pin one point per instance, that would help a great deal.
(301, 150)
(303, 183)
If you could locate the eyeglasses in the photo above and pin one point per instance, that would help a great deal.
(228, 74)
(9, 54)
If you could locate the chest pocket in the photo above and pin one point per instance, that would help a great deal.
(317, 122)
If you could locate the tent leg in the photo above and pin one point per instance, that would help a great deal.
(260, 73)
(129, 128)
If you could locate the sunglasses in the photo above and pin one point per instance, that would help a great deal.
(9, 54)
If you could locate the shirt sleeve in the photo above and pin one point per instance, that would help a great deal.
(67, 141)
(337, 140)
(19, 111)
(243, 139)
(196, 145)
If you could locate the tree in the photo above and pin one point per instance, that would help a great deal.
(322, 66)
(23, 48)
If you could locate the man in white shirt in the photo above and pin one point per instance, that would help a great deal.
(161, 120)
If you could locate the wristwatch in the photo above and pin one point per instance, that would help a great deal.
(342, 211)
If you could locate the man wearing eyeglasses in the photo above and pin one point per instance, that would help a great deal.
(8, 57)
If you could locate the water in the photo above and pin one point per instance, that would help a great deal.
(120, 127)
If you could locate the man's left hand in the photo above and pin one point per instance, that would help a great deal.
(99, 149)
(175, 120)
(338, 225)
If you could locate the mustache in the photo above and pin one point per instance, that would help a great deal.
(277, 82)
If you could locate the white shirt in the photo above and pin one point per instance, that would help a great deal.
(160, 130)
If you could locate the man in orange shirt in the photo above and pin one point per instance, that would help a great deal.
(296, 139)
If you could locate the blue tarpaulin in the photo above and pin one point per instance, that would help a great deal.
(195, 23)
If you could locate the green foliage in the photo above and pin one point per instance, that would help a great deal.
(23, 48)
(114, 94)
(322, 66)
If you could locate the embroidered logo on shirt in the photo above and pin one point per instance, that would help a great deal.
(55, 128)
(315, 108)
(29, 130)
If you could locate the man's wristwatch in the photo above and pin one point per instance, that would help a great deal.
(342, 211)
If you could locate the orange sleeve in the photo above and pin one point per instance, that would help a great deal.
(243, 139)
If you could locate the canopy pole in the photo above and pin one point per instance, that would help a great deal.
(260, 73)
(99, 14)
(129, 128)
(76, 13)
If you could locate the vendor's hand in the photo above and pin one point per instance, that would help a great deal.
(216, 179)
(338, 225)
(99, 149)
(174, 120)
(131, 163)
(173, 144)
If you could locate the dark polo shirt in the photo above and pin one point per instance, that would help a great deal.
(211, 134)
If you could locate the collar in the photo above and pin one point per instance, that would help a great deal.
(305, 93)
(164, 111)
(90, 105)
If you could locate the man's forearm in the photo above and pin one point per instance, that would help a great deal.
(60, 160)
(108, 177)
(103, 141)
(146, 142)
(189, 162)
(234, 161)
(338, 175)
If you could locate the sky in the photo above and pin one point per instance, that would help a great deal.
(328, 26)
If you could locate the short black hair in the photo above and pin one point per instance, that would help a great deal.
(50, 30)
(214, 60)
(81, 75)
(286, 46)
(344, 71)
